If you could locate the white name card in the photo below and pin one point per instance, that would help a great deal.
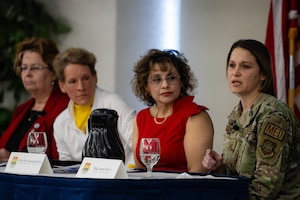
(28, 163)
(102, 168)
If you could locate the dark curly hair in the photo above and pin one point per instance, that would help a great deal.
(143, 67)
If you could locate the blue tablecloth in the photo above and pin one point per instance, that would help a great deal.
(15, 187)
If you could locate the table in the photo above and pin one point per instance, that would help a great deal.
(55, 187)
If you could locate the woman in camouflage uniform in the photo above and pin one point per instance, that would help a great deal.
(262, 135)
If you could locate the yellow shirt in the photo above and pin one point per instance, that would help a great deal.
(82, 115)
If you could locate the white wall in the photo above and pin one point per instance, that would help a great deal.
(93, 24)
(120, 31)
(209, 27)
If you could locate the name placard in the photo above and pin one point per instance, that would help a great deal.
(102, 168)
(28, 163)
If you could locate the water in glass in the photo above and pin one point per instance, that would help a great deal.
(37, 142)
(149, 153)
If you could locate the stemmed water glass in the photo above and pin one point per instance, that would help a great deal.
(37, 142)
(149, 154)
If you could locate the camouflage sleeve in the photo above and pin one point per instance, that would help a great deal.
(274, 135)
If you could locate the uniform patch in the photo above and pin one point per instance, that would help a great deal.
(274, 131)
(267, 149)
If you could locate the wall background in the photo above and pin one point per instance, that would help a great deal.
(118, 32)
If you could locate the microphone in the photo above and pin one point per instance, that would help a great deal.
(235, 127)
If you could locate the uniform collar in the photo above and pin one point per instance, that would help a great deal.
(243, 120)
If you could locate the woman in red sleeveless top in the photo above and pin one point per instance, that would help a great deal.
(164, 81)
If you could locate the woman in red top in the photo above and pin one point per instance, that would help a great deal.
(164, 81)
(33, 63)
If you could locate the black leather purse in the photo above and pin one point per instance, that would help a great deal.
(103, 140)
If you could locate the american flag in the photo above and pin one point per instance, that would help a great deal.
(283, 42)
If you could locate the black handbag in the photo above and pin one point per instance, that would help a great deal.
(103, 140)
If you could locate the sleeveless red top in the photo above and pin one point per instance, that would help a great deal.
(171, 133)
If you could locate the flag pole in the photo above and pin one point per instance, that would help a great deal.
(293, 29)
(291, 93)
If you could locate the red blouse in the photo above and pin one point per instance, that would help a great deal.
(56, 103)
(171, 133)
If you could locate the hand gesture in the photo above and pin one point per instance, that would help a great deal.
(212, 160)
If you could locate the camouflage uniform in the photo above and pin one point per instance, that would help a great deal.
(263, 145)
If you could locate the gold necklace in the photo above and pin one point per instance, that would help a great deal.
(157, 122)
(163, 121)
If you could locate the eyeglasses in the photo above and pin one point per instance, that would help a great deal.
(157, 80)
(33, 68)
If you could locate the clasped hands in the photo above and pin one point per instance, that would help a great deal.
(4, 155)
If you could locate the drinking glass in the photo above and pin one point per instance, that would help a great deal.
(149, 154)
(37, 142)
